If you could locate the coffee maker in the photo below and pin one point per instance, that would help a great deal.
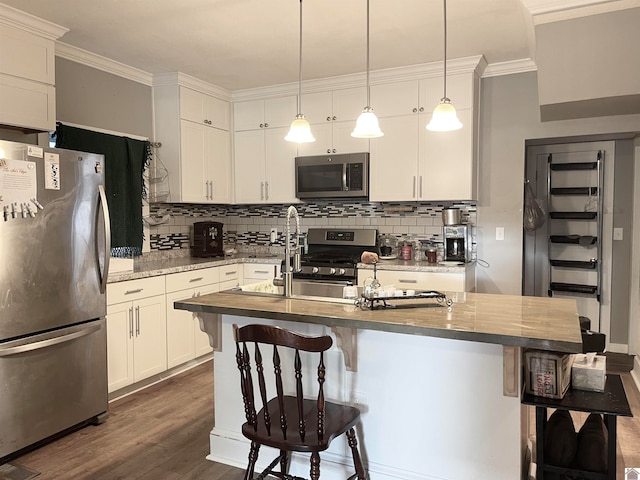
(207, 239)
(457, 243)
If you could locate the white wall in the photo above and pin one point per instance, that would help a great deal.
(510, 115)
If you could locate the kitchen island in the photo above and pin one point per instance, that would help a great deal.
(438, 387)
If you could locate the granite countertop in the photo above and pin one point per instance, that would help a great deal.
(164, 266)
(419, 266)
(533, 322)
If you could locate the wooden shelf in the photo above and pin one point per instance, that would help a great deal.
(557, 167)
(587, 265)
(574, 239)
(574, 215)
(572, 288)
(574, 191)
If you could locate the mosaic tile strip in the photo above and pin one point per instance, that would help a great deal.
(250, 224)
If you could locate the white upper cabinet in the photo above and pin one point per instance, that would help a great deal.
(410, 163)
(263, 159)
(332, 116)
(205, 109)
(196, 143)
(27, 70)
(269, 113)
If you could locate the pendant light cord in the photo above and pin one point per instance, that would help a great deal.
(444, 3)
(368, 88)
(300, 65)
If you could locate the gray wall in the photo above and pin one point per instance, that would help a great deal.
(510, 116)
(91, 97)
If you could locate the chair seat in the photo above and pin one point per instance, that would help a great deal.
(338, 419)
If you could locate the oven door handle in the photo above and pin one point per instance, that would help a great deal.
(345, 188)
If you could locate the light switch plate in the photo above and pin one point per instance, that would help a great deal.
(618, 233)
(499, 233)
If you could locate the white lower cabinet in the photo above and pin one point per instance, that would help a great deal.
(407, 280)
(185, 340)
(259, 272)
(230, 276)
(136, 331)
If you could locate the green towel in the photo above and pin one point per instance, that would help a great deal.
(125, 161)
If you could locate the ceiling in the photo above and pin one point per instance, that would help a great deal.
(241, 44)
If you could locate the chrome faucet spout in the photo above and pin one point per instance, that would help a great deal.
(287, 273)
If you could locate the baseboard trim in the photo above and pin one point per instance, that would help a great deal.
(228, 449)
(160, 377)
(618, 348)
(635, 373)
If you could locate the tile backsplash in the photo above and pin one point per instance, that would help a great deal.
(250, 225)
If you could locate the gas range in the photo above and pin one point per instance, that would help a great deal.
(333, 254)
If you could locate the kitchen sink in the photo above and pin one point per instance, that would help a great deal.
(319, 291)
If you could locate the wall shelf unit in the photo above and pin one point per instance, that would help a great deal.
(574, 203)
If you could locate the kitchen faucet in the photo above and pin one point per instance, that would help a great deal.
(288, 269)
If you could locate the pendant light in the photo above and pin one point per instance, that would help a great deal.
(300, 130)
(367, 123)
(444, 117)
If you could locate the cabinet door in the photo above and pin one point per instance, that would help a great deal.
(459, 90)
(25, 103)
(192, 105)
(216, 112)
(193, 167)
(119, 345)
(150, 337)
(447, 162)
(249, 166)
(393, 99)
(343, 142)
(248, 115)
(280, 112)
(347, 104)
(394, 160)
(280, 172)
(316, 107)
(322, 132)
(180, 330)
(218, 154)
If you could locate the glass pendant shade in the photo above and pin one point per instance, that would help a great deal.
(445, 118)
(367, 125)
(300, 131)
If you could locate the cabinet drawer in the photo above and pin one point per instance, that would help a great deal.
(260, 271)
(192, 279)
(444, 281)
(230, 272)
(134, 289)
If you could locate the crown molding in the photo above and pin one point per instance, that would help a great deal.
(25, 21)
(184, 80)
(75, 54)
(475, 64)
(509, 68)
(547, 11)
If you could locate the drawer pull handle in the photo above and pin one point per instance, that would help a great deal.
(232, 273)
(402, 280)
(262, 271)
(137, 290)
(195, 279)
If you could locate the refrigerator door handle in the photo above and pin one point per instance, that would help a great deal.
(7, 351)
(107, 238)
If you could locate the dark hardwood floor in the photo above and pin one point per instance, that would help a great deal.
(162, 433)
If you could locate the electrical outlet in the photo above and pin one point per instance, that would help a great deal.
(499, 233)
(273, 236)
(618, 233)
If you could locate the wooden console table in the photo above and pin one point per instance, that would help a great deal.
(611, 403)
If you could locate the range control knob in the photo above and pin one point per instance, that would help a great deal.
(315, 270)
(332, 271)
(341, 271)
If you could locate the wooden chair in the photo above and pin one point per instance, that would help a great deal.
(285, 422)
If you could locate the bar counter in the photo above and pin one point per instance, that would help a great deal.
(439, 389)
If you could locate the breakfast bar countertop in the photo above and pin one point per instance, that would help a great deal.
(519, 321)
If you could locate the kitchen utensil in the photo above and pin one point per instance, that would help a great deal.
(451, 216)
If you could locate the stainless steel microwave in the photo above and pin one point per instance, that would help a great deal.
(332, 176)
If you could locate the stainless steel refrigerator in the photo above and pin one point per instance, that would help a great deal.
(54, 261)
